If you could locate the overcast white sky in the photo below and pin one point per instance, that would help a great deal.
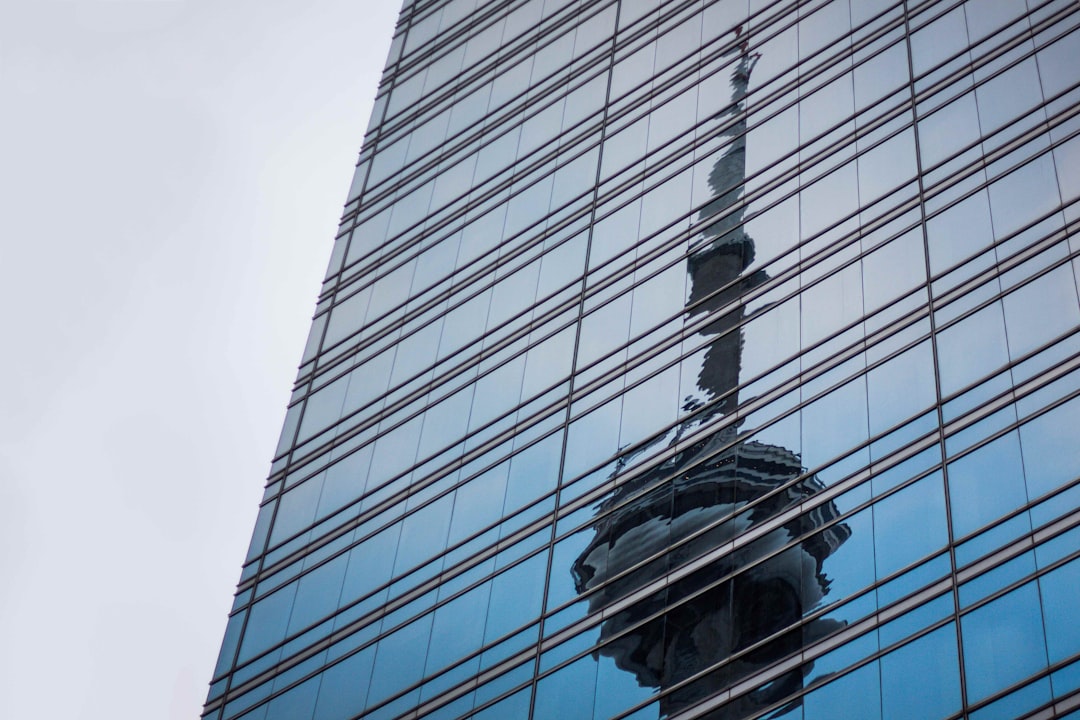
(171, 175)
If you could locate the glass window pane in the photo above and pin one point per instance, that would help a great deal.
(1059, 610)
(1051, 452)
(1003, 642)
(930, 664)
(921, 505)
(972, 348)
(986, 484)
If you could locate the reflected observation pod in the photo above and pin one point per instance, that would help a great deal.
(688, 359)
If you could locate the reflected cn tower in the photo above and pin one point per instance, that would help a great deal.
(718, 622)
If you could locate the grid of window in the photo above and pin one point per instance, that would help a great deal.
(688, 358)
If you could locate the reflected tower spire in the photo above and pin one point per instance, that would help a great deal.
(716, 269)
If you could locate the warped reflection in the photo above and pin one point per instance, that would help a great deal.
(740, 612)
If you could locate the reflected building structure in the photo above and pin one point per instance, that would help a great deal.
(688, 359)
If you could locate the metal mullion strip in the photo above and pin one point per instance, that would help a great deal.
(561, 463)
(931, 9)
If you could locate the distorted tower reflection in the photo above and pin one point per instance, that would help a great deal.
(730, 611)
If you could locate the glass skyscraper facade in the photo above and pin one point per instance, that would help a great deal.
(698, 358)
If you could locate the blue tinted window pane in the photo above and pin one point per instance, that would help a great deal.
(1017, 703)
(297, 703)
(855, 695)
(345, 686)
(1051, 453)
(922, 506)
(1003, 642)
(515, 706)
(930, 664)
(568, 693)
(1059, 590)
(996, 579)
(972, 348)
(1028, 324)
(986, 484)
(396, 665)
(267, 621)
